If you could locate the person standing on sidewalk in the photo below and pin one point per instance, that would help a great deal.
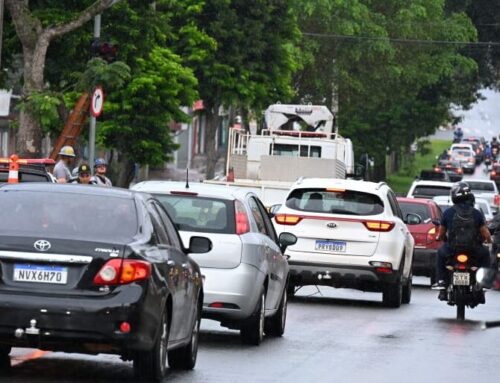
(100, 168)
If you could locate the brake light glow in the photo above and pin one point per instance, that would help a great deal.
(119, 272)
(459, 170)
(383, 226)
(496, 200)
(431, 235)
(241, 217)
(287, 219)
(125, 327)
(437, 169)
(462, 258)
(493, 173)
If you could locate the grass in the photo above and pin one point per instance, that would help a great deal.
(400, 181)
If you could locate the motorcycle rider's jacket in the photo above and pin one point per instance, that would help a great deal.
(462, 223)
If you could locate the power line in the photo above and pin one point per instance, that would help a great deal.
(402, 40)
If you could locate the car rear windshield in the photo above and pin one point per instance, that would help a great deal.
(349, 202)
(462, 152)
(67, 215)
(423, 211)
(481, 186)
(432, 175)
(200, 214)
(428, 191)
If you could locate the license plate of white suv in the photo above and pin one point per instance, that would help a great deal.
(461, 279)
(40, 274)
(333, 246)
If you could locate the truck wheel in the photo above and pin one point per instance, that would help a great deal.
(252, 332)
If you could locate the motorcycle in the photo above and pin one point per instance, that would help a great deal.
(463, 290)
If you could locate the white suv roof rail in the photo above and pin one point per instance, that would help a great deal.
(380, 184)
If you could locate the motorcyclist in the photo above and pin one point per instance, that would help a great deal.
(487, 151)
(463, 208)
(458, 134)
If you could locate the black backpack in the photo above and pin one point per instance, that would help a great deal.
(464, 233)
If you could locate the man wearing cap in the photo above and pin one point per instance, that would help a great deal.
(83, 176)
(61, 170)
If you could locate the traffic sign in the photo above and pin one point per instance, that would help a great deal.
(97, 102)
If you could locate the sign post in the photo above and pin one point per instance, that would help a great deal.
(96, 104)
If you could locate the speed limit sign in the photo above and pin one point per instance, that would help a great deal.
(97, 102)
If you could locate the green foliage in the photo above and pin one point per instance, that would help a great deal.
(99, 72)
(43, 106)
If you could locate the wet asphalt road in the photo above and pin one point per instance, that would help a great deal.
(341, 336)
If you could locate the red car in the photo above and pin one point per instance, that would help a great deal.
(424, 234)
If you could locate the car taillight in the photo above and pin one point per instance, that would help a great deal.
(493, 173)
(496, 200)
(431, 235)
(287, 219)
(241, 217)
(120, 272)
(462, 258)
(382, 226)
(459, 170)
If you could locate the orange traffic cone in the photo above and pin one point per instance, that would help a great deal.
(13, 170)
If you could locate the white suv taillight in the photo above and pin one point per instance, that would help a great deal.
(287, 219)
(241, 218)
(496, 200)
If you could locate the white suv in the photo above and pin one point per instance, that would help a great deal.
(349, 234)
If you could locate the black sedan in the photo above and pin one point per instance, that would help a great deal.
(97, 270)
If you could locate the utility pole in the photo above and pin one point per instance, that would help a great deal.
(1, 30)
(92, 127)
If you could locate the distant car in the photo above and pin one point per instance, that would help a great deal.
(435, 174)
(481, 204)
(478, 146)
(97, 270)
(454, 170)
(424, 234)
(487, 190)
(466, 158)
(350, 234)
(246, 272)
(429, 189)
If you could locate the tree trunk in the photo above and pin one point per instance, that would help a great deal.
(212, 123)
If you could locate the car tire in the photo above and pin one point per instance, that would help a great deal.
(392, 294)
(252, 332)
(152, 365)
(184, 358)
(407, 289)
(275, 325)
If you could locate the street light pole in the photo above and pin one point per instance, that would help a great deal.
(92, 127)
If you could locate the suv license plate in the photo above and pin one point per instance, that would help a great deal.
(333, 246)
(40, 274)
(461, 279)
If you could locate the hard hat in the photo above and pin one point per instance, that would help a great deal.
(83, 168)
(100, 162)
(67, 151)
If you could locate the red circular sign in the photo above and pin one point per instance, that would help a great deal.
(97, 102)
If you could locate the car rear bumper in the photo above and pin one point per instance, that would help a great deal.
(238, 290)
(424, 261)
(364, 278)
(83, 324)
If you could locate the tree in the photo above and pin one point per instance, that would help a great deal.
(35, 34)
(252, 63)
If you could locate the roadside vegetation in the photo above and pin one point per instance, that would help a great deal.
(423, 159)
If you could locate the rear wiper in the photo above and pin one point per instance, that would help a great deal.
(337, 211)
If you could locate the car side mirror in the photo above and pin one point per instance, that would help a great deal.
(285, 240)
(199, 245)
(273, 209)
(413, 219)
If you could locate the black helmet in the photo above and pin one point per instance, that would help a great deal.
(461, 193)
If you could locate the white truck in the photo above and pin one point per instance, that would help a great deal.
(299, 141)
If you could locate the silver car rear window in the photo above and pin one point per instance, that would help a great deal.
(481, 186)
(67, 215)
(349, 202)
(200, 214)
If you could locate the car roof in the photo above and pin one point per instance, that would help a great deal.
(418, 201)
(357, 185)
(69, 188)
(433, 183)
(221, 191)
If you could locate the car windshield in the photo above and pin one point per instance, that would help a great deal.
(423, 211)
(481, 186)
(200, 214)
(429, 191)
(349, 202)
(67, 215)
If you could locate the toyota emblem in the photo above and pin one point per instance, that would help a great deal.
(331, 225)
(42, 245)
